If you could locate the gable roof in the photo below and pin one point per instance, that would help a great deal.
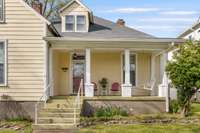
(102, 28)
(35, 12)
(190, 30)
(81, 4)
(71, 2)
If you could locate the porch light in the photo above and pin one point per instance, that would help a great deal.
(74, 55)
(64, 69)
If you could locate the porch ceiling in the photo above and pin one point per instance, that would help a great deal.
(136, 44)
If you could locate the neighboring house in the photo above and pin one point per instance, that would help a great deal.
(192, 33)
(42, 58)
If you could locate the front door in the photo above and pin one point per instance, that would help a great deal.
(78, 71)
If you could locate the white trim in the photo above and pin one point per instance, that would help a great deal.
(35, 12)
(71, 73)
(156, 41)
(5, 63)
(3, 12)
(46, 62)
(51, 79)
(68, 4)
(71, 69)
(122, 69)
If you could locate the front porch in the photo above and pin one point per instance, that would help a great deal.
(128, 71)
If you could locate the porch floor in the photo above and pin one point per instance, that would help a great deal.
(119, 98)
(116, 98)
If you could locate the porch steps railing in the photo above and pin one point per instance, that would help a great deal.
(60, 112)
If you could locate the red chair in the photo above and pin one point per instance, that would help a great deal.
(95, 86)
(115, 86)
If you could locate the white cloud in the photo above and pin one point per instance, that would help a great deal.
(167, 19)
(132, 10)
(179, 12)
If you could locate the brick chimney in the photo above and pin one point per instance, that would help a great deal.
(120, 22)
(37, 6)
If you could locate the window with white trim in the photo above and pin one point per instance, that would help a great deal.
(69, 23)
(1, 10)
(3, 63)
(75, 23)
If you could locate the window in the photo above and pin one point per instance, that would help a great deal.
(132, 69)
(3, 63)
(75, 23)
(81, 23)
(1, 10)
(69, 23)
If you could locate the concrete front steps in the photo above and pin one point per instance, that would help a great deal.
(58, 115)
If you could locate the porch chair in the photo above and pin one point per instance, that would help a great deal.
(150, 85)
(115, 87)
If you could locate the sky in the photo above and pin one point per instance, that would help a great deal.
(161, 18)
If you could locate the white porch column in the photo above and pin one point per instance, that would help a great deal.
(164, 88)
(89, 87)
(153, 76)
(51, 79)
(127, 87)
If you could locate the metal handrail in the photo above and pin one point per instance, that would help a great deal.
(44, 95)
(78, 100)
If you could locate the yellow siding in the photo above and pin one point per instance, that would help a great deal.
(61, 78)
(144, 68)
(24, 32)
(106, 65)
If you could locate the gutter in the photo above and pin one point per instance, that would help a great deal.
(147, 40)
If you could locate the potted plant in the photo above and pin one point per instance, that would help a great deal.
(104, 84)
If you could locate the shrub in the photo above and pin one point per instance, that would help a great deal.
(184, 73)
(174, 106)
(110, 112)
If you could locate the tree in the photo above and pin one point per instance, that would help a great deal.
(50, 7)
(184, 72)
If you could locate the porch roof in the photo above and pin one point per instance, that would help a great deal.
(157, 44)
(133, 40)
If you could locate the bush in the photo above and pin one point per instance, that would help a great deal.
(174, 106)
(110, 112)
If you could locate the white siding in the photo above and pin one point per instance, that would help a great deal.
(24, 32)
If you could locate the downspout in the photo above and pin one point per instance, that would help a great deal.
(167, 95)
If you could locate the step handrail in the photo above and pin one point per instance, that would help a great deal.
(78, 100)
(45, 97)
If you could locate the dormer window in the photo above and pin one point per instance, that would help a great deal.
(69, 23)
(75, 23)
(81, 23)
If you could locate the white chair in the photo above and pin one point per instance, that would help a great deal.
(150, 85)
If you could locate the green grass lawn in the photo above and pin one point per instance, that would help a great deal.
(142, 129)
(195, 109)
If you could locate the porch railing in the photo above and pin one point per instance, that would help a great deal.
(44, 98)
(78, 101)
